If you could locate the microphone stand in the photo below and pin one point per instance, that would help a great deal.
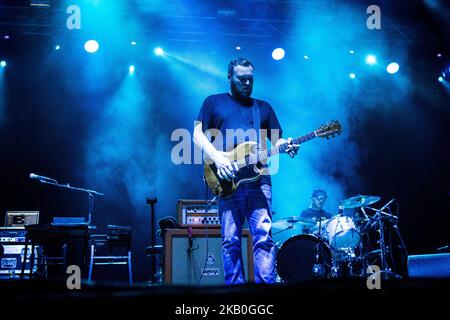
(90, 193)
(152, 202)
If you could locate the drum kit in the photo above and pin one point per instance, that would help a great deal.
(337, 247)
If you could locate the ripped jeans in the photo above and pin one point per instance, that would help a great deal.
(252, 201)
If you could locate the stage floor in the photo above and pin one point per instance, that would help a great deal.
(334, 297)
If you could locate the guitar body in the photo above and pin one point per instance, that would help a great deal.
(223, 188)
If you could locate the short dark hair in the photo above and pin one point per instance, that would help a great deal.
(239, 62)
(318, 192)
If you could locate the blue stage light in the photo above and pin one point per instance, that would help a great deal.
(371, 59)
(352, 75)
(278, 53)
(352, 51)
(3, 63)
(91, 46)
(159, 51)
(441, 79)
(392, 67)
(131, 69)
(133, 43)
(57, 47)
(305, 57)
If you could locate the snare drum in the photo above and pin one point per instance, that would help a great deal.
(342, 233)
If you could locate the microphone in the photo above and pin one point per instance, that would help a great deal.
(38, 177)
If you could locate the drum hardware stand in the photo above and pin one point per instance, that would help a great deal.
(379, 218)
(318, 267)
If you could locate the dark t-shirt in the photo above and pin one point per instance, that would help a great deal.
(311, 213)
(222, 112)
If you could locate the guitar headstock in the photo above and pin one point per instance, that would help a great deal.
(329, 129)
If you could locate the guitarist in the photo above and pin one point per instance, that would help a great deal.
(227, 112)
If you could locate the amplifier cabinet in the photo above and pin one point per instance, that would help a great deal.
(194, 257)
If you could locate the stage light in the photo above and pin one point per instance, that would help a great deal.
(159, 51)
(91, 46)
(57, 47)
(392, 67)
(351, 51)
(278, 53)
(305, 57)
(3, 63)
(441, 79)
(439, 55)
(238, 48)
(352, 75)
(371, 59)
(131, 69)
(6, 37)
(133, 43)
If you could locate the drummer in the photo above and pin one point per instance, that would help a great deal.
(315, 210)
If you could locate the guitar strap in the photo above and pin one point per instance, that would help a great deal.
(257, 123)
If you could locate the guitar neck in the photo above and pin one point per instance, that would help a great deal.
(266, 154)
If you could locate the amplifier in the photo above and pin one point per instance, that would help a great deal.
(195, 257)
(198, 213)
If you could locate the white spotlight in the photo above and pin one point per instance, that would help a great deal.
(91, 46)
(305, 57)
(392, 67)
(57, 47)
(278, 54)
(131, 69)
(159, 51)
(441, 79)
(3, 63)
(371, 59)
(352, 75)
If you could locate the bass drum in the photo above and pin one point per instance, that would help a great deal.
(296, 259)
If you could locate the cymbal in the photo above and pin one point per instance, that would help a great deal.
(294, 222)
(359, 201)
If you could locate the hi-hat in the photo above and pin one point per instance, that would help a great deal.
(359, 201)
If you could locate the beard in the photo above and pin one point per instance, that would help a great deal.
(240, 92)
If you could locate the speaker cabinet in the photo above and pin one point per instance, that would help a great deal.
(429, 266)
(195, 257)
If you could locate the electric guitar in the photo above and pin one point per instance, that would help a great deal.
(247, 161)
